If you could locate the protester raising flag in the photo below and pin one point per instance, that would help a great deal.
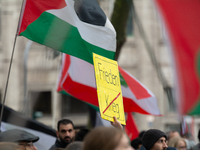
(184, 37)
(77, 79)
(77, 28)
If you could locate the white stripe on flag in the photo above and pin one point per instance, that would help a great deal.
(101, 36)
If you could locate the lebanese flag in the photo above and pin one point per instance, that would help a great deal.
(131, 127)
(77, 79)
(77, 28)
(182, 23)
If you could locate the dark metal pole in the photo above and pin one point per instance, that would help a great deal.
(4, 98)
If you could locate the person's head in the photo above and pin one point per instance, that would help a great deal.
(106, 138)
(136, 143)
(77, 145)
(65, 131)
(9, 146)
(24, 139)
(188, 136)
(141, 134)
(173, 134)
(178, 143)
(81, 134)
(154, 139)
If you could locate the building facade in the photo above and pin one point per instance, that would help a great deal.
(35, 70)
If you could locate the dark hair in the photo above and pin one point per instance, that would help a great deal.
(77, 145)
(199, 135)
(65, 122)
(81, 134)
(141, 134)
(136, 142)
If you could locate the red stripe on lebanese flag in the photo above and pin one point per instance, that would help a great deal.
(79, 82)
(32, 9)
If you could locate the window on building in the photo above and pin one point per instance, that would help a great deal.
(40, 103)
(71, 105)
(173, 127)
(170, 97)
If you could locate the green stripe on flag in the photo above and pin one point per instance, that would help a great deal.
(195, 110)
(63, 92)
(93, 106)
(59, 35)
(122, 81)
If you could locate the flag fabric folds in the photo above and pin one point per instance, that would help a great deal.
(131, 127)
(77, 79)
(78, 27)
(184, 127)
(183, 33)
(14, 120)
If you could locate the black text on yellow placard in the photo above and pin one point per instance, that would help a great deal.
(108, 88)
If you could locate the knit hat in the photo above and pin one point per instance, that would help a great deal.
(17, 135)
(151, 136)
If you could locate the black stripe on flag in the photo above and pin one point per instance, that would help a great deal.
(89, 11)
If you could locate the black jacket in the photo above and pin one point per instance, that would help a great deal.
(58, 144)
(196, 147)
(142, 148)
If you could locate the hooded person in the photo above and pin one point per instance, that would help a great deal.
(21, 137)
(154, 139)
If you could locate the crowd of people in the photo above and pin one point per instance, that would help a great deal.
(100, 138)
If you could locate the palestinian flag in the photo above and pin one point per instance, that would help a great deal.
(75, 27)
(181, 21)
(77, 79)
(131, 127)
(14, 120)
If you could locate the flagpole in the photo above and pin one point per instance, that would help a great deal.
(159, 72)
(9, 69)
(4, 98)
(149, 48)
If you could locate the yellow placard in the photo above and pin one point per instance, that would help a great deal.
(108, 88)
